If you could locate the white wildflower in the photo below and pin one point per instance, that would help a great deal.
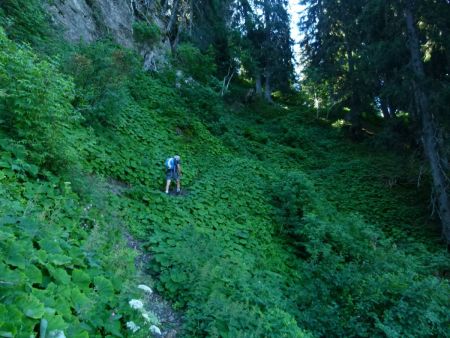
(145, 288)
(150, 317)
(155, 330)
(136, 304)
(133, 327)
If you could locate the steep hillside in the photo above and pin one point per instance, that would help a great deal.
(284, 227)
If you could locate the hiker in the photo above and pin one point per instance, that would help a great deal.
(173, 172)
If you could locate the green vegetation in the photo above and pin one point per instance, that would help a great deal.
(36, 109)
(190, 59)
(286, 228)
(57, 271)
(368, 61)
(24, 20)
(145, 32)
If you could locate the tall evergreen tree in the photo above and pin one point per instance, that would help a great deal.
(333, 49)
(266, 43)
(370, 55)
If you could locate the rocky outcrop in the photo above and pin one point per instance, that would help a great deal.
(117, 17)
(89, 20)
(76, 18)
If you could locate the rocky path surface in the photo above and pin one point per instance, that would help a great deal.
(171, 321)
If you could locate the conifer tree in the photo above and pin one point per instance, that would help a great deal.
(387, 56)
(267, 44)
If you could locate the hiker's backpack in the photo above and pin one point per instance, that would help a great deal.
(170, 163)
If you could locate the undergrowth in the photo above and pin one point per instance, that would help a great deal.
(59, 271)
(285, 229)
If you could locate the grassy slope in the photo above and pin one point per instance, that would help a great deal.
(378, 184)
(223, 222)
(235, 260)
(218, 251)
(268, 240)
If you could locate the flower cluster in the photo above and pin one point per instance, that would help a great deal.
(145, 288)
(149, 317)
(136, 304)
(133, 327)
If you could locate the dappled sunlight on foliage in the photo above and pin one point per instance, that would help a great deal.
(339, 123)
(284, 228)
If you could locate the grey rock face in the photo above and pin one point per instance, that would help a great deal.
(88, 20)
(76, 18)
(118, 18)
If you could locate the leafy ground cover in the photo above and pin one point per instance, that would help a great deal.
(65, 266)
(59, 272)
(261, 244)
(355, 178)
(286, 230)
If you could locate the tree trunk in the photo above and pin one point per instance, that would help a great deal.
(354, 115)
(429, 131)
(227, 80)
(267, 90)
(258, 85)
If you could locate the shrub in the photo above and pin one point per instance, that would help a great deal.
(65, 268)
(354, 281)
(197, 64)
(146, 32)
(101, 72)
(24, 20)
(203, 100)
(35, 108)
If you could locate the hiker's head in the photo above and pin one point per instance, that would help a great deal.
(177, 158)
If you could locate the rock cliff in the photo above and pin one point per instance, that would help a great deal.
(89, 20)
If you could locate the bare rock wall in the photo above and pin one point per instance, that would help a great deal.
(89, 20)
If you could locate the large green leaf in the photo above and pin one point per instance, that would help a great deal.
(55, 322)
(17, 254)
(33, 274)
(104, 287)
(81, 302)
(81, 278)
(29, 226)
(58, 259)
(30, 306)
(10, 278)
(10, 319)
(113, 326)
(59, 275)
(51, 245)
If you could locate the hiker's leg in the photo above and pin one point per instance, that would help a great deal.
(178, 185)
(167, 186)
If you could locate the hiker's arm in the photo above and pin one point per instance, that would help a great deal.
(179, 169)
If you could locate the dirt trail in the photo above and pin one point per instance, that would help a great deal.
(171, 321)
